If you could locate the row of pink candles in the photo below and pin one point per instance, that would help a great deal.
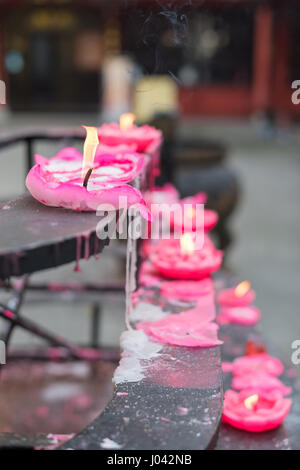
(259, 405)
(101, 176)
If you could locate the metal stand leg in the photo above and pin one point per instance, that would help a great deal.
(14, 304)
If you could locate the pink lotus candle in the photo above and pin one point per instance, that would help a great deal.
(178, 259)
(146, 138)
(239, 296)
(255, 411)
(84, 183)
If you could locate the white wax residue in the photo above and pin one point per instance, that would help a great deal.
(63, 165)
(138, 344)
(136, 348)
(108, 170)
(64, 177)
(146, 312)
(99, 178)
(109, 444)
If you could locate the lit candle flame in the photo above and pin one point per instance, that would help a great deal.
(242, 288)
(187, 244)
(89, 148)
(251, 401)
(126, 121)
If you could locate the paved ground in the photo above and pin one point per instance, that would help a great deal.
(267, 228)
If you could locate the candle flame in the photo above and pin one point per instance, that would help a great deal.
(251, 401)
(89, 148)
(187, 244)
(242, 288)
(126, 121)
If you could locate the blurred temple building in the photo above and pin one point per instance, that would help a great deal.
(227, 57)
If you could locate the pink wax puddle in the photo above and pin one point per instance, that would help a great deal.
(192, 328)
(186, 290)
(248, 315)
(182, 411)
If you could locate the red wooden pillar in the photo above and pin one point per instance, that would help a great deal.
(282, 81)
(262, 59)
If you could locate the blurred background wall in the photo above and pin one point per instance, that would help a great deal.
(228, 58)
(220, 70)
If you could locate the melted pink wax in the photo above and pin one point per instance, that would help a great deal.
(9, 314)
(142, 137)
(248, 315)
(58, 182)
(193, 328)
(86, 246)
(186, 290)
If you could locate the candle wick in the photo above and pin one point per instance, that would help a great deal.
(87, 177)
